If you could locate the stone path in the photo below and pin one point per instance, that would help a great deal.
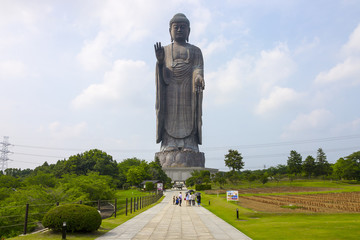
(168, 221)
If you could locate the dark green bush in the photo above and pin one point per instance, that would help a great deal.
(78, 218)
(201, 187)
(149, 186)
(126, 186)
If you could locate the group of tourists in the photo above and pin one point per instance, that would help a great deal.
(190, 199)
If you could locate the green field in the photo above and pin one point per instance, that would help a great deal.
(258, 225)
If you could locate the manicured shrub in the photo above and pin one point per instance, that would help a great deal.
(78, 218)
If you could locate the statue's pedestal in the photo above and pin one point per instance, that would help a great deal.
(179, 165)
(181, 159)
(180, 174)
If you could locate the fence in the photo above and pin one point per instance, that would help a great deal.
(24, 219)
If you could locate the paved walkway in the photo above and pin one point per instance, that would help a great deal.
(168, 221)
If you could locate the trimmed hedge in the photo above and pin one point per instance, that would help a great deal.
(201, 187)
(78, 218)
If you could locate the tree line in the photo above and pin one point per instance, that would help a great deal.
(345, 168)
(90, 175)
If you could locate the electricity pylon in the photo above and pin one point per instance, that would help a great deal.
(4, 154)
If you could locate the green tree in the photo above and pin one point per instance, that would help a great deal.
(42, 179)
(92, 160)
(309, 166)
(264, 178)
(234, 177)
(190, 182)
(251, 178)
(45, 168)
(149, 186)
(348, 168)
(294, 163)
(157, 173)
(7, 181)
(17, 172)
(37, 196)
(234, 160)
(199, 177)
(281, 169)
(137, 174)
(322, 167)
(124, 166)
(91, 187)
(220, 178)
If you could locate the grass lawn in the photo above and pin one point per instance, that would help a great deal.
(288, 226)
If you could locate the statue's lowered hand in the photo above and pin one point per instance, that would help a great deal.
(199, 83)
(159, 52)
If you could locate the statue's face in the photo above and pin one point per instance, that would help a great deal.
(179, 31)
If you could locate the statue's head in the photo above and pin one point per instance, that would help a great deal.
(179, 28)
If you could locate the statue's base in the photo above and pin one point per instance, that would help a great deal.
(179, 165)
(180, 174)
(181, 159)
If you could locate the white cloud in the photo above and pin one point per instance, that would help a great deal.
(318, 119)
(22, 12)
(226, 82)
(58, 130)
(278, 98)
(200, 19)
(20, 21)
(12, 69)
(126, 23)
(265, 72)
(273, 66)
(353, 45)
(346, 72)
(126, 80)
(348, 127)
(121, 23)
(220, 43)
(91, 56)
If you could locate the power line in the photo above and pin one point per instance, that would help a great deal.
(247, 157)
(244, 146)
(208, 149)
(48, 148)
(37, 155)
(285, 143)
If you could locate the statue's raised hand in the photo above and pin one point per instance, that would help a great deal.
(159, 52)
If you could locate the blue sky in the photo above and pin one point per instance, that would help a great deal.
(280, 76)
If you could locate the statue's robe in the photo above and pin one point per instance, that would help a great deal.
(178, 100)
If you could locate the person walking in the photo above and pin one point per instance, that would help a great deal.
(198, 199)
(193, 199)
(180, 199)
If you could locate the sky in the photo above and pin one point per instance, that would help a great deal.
(280, 75)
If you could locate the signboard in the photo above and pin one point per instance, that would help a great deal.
(159, 186)
(232, 195)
